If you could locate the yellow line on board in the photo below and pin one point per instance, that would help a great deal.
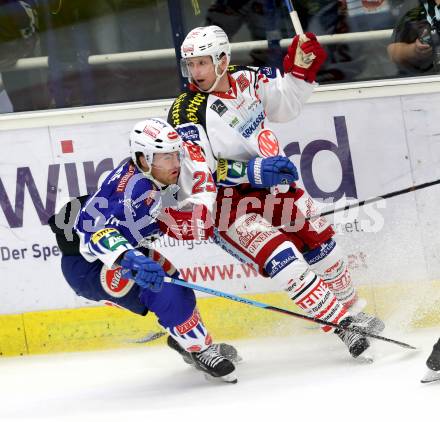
(103, 327)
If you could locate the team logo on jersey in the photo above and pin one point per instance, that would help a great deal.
(237, 170)
(242, 82)
(189, 133)
(270, 72)
(219, 107)
(195, 152)
(268, 143)
(113, 283)
(234, 122)
(109, 238)
(252, 125)
(222, 169)
(125, 178)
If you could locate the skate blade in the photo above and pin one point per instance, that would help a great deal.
(430, 376)
(365, 359)
(229, 379)
(237, 359)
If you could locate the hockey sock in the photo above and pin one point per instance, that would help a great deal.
(304, 287)
(328, 262)
(191, 334)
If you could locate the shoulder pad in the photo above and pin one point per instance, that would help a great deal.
(188, 107)
(239, 68)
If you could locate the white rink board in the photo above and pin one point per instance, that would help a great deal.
(390, 144)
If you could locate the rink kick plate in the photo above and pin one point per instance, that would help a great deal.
(106, 327)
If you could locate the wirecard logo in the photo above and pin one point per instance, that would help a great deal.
(253, 125)
(340, 147)
(44, 199)
(280, 261)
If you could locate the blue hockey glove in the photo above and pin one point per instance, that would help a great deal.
(271, 171)
(142, 270)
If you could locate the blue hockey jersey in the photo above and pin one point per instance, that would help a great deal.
(121, 215)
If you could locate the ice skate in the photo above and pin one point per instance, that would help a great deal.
(433, 364)
(229, 352)
(214, 364)
(172, 343)
(211, 361)
(430, 376)
(226, 350)
(356, 343)
(369, 323)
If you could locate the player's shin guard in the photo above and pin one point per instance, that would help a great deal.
(304, 287)
(328, 262)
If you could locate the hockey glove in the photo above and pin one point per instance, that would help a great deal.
(271, 171)
(145, 272)
(187, 225)
(304, 57)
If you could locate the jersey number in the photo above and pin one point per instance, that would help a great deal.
(203, 182)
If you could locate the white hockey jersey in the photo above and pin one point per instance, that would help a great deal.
(233, 125)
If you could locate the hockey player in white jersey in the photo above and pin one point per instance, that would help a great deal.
(225, 110)
(109, 257)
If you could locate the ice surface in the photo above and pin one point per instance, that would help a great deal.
(308, 377)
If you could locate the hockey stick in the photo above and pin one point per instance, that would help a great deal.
(377, 198)
(308, 58)
(251, 302)
(294, 17)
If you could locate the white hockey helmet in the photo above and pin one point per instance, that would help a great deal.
(205, 41)
(153, 136)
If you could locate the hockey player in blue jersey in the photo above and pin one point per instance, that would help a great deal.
(109, 257)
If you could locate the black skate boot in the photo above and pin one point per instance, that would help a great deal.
(356, 343)
(369, 323)
(229, 352)
(226, 350)
(212, 360)
(172, 343)
(214, 364)
(433, 364)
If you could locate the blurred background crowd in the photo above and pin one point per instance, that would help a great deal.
(69, 53)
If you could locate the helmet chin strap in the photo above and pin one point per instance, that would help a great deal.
(217, 80)
(148, 175)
